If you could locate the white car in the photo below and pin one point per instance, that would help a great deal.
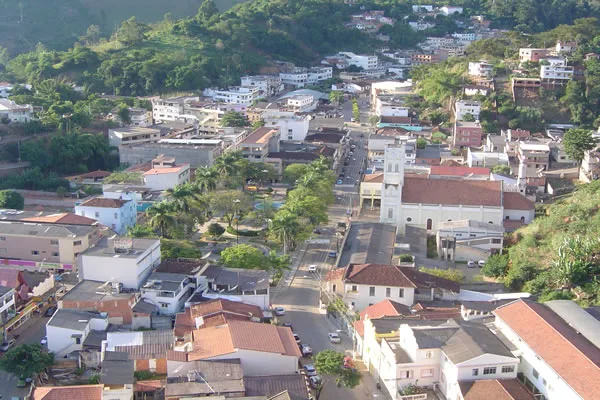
(471, 264)
(334, 337)
(312, 268)
(279, 311)
(481, 263)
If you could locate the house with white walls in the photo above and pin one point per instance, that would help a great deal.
(163, 178)
(168, 291)
(480, 69)
(122, 260)
(362, 285)
(291, 126)
(117, 214)
(13, 112)
(558, 345)
(464, 107)
(67, 330)
(267, 85)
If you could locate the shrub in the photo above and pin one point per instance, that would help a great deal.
(406, 258)
(231, 230)
(495, 266)
(215, 230)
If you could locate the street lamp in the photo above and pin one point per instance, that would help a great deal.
(237, 221)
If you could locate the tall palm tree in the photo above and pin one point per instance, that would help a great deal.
(225, 164)
(161, 217)
(183, 197)
(206, 179)
(284, 228)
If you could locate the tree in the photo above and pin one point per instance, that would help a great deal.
(330, 363)
(206, 11)
(495, 266)
(455, 275)
(215, 230)
(124, 114)
(355, 110)
(421, 143)
(257, 124)
(225, 164)
(4, 57)
(124, 177)
(468, 117)
(161, 217)
(309, 207)
(336, 97)
(577, 141)
(184, 197)
(293, 172)
(11, 199)
(285, 228)
(131, 32)
(501, 170)
(140, 231)
(244, 256)
(573, 261)
(229, 203)
(206, 179)
(92, 35)
(235, 119)
(26, 360)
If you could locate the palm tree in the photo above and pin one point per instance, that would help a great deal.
(161, 217)
(183, 197)
(225, 164)
(206, 179)
(284, 228)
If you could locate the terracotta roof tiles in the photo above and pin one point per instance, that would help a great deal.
(83, 392)
(505, 389)
(385, 308)
(452, 192)
(103, 202)
(458, 171)
(516, 201)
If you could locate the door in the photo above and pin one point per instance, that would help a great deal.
(429, 224)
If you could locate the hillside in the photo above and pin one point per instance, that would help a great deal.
(58, 23)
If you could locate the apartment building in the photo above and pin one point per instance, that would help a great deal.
(237, 95)
(365, 62)
(467, 107)
(467, 134)
(170, 109)
(535, 157)
(301, 77)
(481, 69)
(165, 174)
(553, 73)
(195, 152)
(260, 143)
(117, 214)
(532, 55)
(318, 74)
(13, 112)
(133, 135)
(300, 103)
(391, 106)
(50, 246)
(267, 85)
(291, 126)
(168, 291)
(126, 261)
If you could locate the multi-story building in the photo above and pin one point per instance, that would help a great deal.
(532, 55)
(300, 103)
(45, 245)
(170, 109)
(165, 174)
(318, 74)
(237, 95)
(140, 116)
(391, 106)
(7, 305)
(260, 143)
(133, 135)
(451, 10)
(195, 152)
(291, 126)
(13, 112)
(296, 77)
(365, 62)
(267, 85)
(554, 73)
(168, 291)
(565, 47)
(117, 214)
(123, 260)
(466, 240)
(534, 158)
(462, 108)
(67, 330)
(557, 344)
(422, 58)
(481, 69)
(467, 134)
(590, 166)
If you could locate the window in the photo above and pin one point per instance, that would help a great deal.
(77, 243)
(97, 214)
(496, 241)
(54, 242)
(77, 340)
(408, 219)
(508, 369)
(35, 252)
(3, 238)
(388, 292)
(429, 354)
(334, 287)
(427, 373)
(113, 226)
(354, 288)
(390, 213)
(490, 222)
(389, 168)
(116, 216)
(397, 168)
(535, 373)
(475, 372)
(372, 291)
(164, 305)
(489, 370)
(55, 254)
(401, 292)
(406, 374)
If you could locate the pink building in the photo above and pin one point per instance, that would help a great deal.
(467, 134)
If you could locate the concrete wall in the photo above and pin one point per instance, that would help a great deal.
(118, 219)
(167, 181)
(196, 156)
(362, 298)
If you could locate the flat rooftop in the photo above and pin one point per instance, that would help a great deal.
(88, 290)
(369, 243)
(135, 130)
(20, 228)
(132, 249)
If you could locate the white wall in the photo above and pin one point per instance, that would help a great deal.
(169, 305)
(126, 216)
(362, 299)
(164, 181)
(60, 341)
(43, 287)
(257, 363)
(290, 128)
(515, 215)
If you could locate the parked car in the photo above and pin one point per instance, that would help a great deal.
(312, 268)
(279, 311)
(7, 345)
(332, 254)
(315, 381)
(317, 231)
(481, 263)
(339, 182)
(50, 311)
(471, 264)
(306, 350)
(310, 370)
(297, 338)
(288, 325)
(334, 337)
(341, 175)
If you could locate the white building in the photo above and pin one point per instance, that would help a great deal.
(236, 95)
(486, 159)
(422, 8)
(362, 285)
(451, 10)
(563, 47)
(67, 330)
(163, 178)
(128, 261)
(427, 202)
(13, 112)
(300, 103)
(378, 143)
(7, 303)
(421, 25)
(168, 291)
(291, 126)
(464, 107)
(468, 240)
(117, 214)
(365, 62)
(140, 116)
(556, 72)
(558, 345)
(391, 106)
(267, 85)
(248, 286)
(132, 135)
(296, 77)
(481, 69)
(170, 109)
(318, 74)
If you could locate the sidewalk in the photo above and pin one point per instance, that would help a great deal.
(289, 275)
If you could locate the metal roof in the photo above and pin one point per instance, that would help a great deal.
(579, 319)
(73, 319)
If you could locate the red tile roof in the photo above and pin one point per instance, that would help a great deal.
(83, 392)
(390, 275)
(396, 120)
(62, 218)
(569, 354)
(12, 278)
(373, 178)
(103, 202)
(166, 170)
(494, 389)
(385, 308)
(147, 386)
(516, 201)
(458, 171)
(452, 192)
(359, 326)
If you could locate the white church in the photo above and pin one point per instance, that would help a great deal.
(428, 202)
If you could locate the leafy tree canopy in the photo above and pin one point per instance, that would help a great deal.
(11, 199)
(26, 360)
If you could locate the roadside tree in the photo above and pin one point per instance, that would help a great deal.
(11, 199)
(330, 363)
(244, 256)
(26, 360)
